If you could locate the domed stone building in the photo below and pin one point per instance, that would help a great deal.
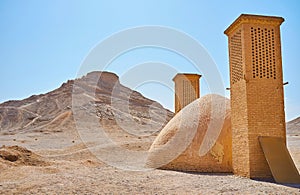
(198, 138)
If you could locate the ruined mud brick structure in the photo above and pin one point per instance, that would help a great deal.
(256, 90)
(186, 89)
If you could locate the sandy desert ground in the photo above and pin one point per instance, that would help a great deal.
(61, 164)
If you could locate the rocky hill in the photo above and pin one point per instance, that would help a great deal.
(293, 127)
(98, 93)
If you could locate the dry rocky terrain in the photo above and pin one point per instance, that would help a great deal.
(50, 144)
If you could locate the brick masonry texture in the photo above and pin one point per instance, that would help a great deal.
(186, 89)
(256, 90)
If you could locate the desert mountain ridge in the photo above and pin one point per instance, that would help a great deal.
(52, 111)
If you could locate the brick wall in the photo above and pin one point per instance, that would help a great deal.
(186, 89)
(256, 90)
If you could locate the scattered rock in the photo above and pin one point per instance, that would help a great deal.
(17, 156)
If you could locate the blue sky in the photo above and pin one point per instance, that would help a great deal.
(43, 43)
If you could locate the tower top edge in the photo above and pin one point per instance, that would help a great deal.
(254, 19)
(186, 76)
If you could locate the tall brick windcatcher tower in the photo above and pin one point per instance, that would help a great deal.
(256, 90)
(186, 89)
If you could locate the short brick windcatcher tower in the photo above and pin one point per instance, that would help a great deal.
(186, 89)
(256, 90)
